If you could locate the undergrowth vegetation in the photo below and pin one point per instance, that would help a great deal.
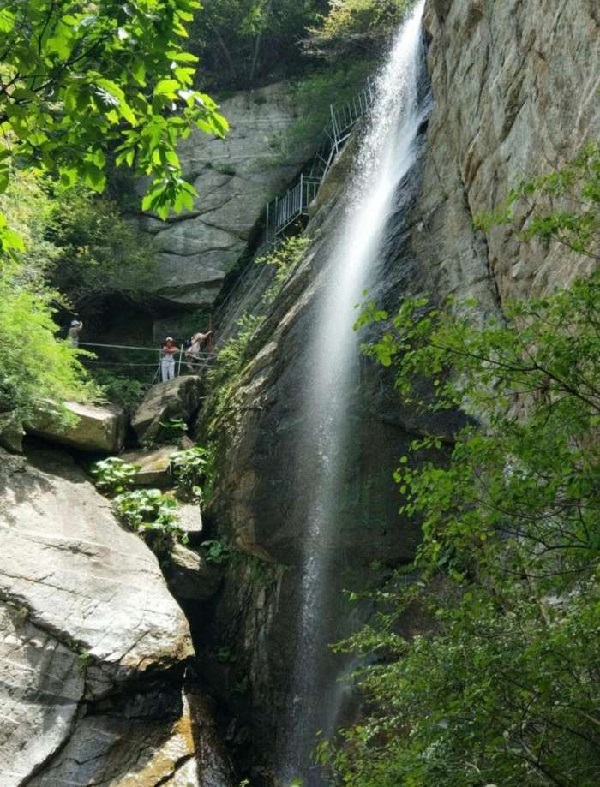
(283, 259)
(98, 252)
(35, 368)
(351, 25)
(152, 513)
(73, 251)
(502, 685)
(127, 392)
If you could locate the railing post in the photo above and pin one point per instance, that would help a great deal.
(334, 126)
(268, 232)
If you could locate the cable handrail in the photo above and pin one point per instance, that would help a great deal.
(137, 349)
(195, 362)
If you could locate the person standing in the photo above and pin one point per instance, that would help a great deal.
(73, 332)
(193, 353)
(167, 359)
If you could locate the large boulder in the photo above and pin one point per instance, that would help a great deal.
(173, 399)
(129, 744)
(154, 466)
(190, 576)
(92, 644)
(95, 428)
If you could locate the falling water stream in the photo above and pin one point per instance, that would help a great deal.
(386, 154)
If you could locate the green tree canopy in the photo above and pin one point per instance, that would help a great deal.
(248, 42)
(98, 253)
(353, 27)
(82, 83)
(79, 78)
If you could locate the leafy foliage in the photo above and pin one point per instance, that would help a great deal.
(98, 252)
(76, 248)
(246, 42)
(502, 686)
(79, 78)
(225, 374)
(150, 513)
(193, 467)
(283, 259)
(561, 205)
(352, 23)
(216, 551)
(172, 430)
(27, 207)
(118, 389)
(35, 368)
(114, 476)
(505, 688)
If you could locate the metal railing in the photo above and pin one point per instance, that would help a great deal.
(183, 362)
(287, 208)
(294, 203)
(343, 118)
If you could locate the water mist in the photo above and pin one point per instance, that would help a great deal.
(386, 154)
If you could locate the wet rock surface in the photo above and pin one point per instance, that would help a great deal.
(189, 576)
(514, 86)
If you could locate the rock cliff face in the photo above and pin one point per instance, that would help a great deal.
(235, 177)
(92, 645)
(515, 93)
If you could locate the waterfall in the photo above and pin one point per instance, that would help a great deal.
(386, 154)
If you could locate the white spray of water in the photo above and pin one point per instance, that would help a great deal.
(386, 155)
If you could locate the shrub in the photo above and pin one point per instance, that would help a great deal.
(114, 476)
(99, 253)
(147, 512)
(283, 258)
(191, 467)
(216, 551)
(35, 367)
(118, 389)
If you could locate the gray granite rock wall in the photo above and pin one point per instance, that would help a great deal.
(515, 86)
(92, 645)
(515, 89)
(235, 178)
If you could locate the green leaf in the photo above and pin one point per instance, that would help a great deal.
(167, 88)
(7, 21)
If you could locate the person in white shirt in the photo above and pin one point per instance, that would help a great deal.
(167, 359)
